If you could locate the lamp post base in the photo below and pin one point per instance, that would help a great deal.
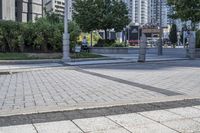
(66, 52)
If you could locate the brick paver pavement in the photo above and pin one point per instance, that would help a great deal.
(63, 87)
(60, 87)
(180, 76)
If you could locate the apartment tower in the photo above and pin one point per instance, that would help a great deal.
(7, 10)
(21, 10)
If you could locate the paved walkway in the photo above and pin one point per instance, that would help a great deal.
(60, 87)
(109, 59)
(11, 67)
(176, 120)
(130, 58)
(178, 76)
(149, 57)
(98, 85)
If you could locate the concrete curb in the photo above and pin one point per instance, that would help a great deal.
(16, 70)
(124, 61)
(13, 62)
(83, 106)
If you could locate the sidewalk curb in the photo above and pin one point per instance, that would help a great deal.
(53, 109)
(126, 61)
(15, 70)
(13, 62)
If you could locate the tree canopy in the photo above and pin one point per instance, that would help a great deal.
(186, 9)
(101, 15)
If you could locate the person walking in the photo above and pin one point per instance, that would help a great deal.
(84, 46)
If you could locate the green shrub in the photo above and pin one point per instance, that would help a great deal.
(118, 45)
(10, 35)
(45, 35)
(104, 43)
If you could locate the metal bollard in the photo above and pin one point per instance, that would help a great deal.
(192, 45)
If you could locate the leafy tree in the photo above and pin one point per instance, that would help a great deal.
(101, 15)
(74, 31)
(84, 14)
(173, 35)
(53, 18)
(113, 15)
(186, 10)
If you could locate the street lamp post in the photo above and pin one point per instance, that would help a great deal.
(160, 50)
(66, 43)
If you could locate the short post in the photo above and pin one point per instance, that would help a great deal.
(192, 45)
(142, 50)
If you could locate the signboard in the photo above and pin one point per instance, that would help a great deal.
(134, 33)
(149, 32)
(77, 49)
(153, 31)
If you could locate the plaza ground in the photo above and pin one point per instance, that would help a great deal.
(55, 88)
(177, 120)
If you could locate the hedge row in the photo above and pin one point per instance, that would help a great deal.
(45, 35)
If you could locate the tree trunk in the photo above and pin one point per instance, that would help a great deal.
(91, 38)
(106, 35)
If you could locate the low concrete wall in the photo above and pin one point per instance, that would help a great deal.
(198, 53)
(166, 51)
(106, 50)
(45, 55)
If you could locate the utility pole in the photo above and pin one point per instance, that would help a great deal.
(66, 43)
(160, 49)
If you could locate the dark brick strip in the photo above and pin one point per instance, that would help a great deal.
(146, 87)
(4, 73)
(96, 112)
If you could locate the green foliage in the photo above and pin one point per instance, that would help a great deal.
(198, 39)
(95, 37)
(9, 35)
(84, 14)
(118, 45)
(74, 31)
(173, 34)
(186, 9)
(45, 35)
(104, 43)
(108, 43)
(101, 15)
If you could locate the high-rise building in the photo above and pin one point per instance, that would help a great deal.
(21, 10)
(28, 10)
(7, 10)
(58, 7)
(154, 12)
(129, 4)
(138, 11)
